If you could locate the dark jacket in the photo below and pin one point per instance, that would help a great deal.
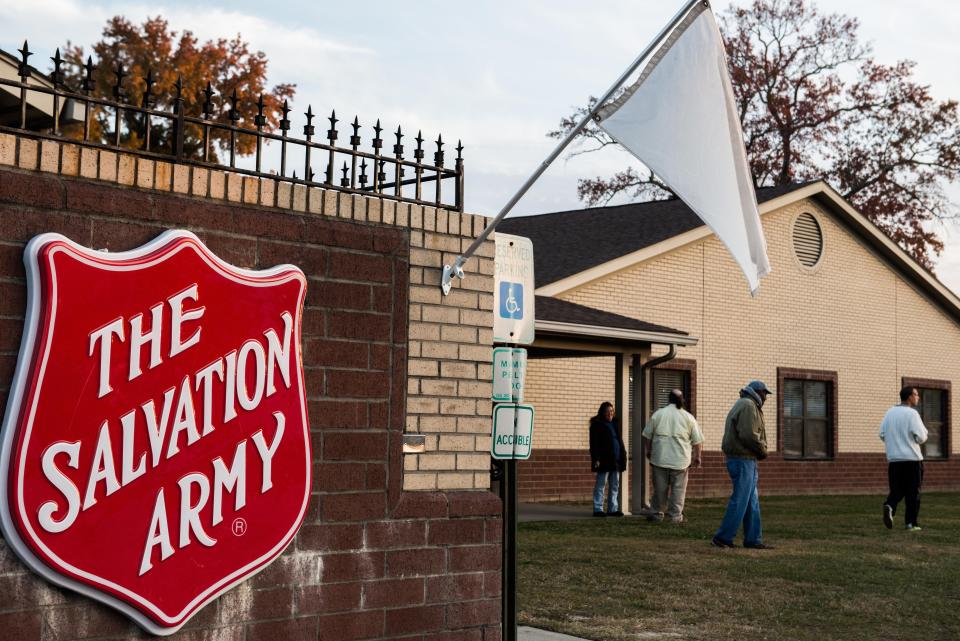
(744, 435)
(601, 448)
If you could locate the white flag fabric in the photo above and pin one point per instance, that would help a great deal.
(680, 120)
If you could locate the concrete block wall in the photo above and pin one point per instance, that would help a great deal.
(392, 546)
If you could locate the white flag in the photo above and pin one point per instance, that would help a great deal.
(680, 120)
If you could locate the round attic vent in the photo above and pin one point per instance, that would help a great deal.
(807, 240)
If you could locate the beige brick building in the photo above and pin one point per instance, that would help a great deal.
(844, 320)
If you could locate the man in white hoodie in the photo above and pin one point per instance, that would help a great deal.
(902, 432)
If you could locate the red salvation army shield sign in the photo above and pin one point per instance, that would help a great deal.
(155, 448)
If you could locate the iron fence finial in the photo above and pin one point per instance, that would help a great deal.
(285, 122)
(377, 141)
(309, 129)
(418, 152)
(57, 61)
(88, 83)
(332, 132)
(234, 113)
(207, 108)
(398, 147)
(260, 120)
(118, 87)
(438, 156)
(23, 68)
(355, 138)
(149, 81)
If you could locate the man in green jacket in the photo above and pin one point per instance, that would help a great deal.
(744, 443)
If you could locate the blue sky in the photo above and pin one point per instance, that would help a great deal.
(493, 73)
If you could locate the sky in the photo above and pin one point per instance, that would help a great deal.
(496, 74)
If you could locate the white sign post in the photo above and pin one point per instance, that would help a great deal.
(509, 372)
(512, 431)
(513, 297)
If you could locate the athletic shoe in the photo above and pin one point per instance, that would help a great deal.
(720, 543)
(758, 546)
(914, 528)
(595, 513)
(617, 513)
(888, 516)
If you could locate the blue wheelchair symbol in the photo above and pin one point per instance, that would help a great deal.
(511, 300)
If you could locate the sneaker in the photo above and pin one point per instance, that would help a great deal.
(758, 546)
(720, 543)
(914, 528)
(596, 513)
(617, 513)
(888, 516)
(654, 518)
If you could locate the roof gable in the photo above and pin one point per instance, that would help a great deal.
(568, 243)
(770, 199)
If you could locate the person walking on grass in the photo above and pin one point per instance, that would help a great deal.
(672, 439)
(903, 432)
(608, 457)
(744, 443)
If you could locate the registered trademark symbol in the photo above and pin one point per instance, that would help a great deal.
(239, 527)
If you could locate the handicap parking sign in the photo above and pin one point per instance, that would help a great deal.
(513, 290)
(511, 300)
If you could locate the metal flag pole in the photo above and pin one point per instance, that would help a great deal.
(449, 271)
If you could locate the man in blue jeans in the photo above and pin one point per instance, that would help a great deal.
(744, 443)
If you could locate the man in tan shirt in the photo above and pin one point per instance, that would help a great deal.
(672, 440)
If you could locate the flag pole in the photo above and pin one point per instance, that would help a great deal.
(456, 269)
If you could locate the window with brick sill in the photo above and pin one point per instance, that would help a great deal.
(806, 419)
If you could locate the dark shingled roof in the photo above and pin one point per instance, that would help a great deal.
(561, 311)
(569, 242)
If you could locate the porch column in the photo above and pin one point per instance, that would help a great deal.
(622, 374)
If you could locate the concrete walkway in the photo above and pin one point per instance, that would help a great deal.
(526, 633)
(554, 512)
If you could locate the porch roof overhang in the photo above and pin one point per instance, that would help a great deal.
(563, 327)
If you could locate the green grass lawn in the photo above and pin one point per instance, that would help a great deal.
(836, 573)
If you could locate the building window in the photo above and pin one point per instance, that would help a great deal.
(663, 381)
(806, 400)
(680, 373)
(934, 408)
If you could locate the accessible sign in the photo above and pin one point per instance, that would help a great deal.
(155, 448)
(512, 431)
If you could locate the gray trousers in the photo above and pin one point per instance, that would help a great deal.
(669, 492)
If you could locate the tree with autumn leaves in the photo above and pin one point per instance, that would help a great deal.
(815, 104)
(152, 51)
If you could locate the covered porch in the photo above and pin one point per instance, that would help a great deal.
(582, 357)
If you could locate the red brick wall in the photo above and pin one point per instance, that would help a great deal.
(552, 475)
(556, 475)
(371, 561)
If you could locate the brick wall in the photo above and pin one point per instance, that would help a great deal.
(556, 475)
(851, 314)
(374, 559)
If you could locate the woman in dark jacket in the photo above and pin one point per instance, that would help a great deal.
(608, 457)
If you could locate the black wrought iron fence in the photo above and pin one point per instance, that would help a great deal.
(391, 175)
